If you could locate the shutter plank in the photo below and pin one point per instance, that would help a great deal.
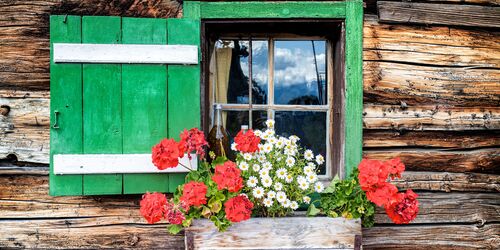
(144, 103)
(183, 86)
(66, 92)
(102, 114)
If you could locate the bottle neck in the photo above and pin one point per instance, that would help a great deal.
(218, 123)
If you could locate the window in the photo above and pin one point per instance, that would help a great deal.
(275, 70)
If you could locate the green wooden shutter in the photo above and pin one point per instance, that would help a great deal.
(120, 108)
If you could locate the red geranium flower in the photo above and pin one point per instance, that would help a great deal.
(383, 194)
(247, 142)
(153, 207)
(174, 215)
(238, 208)
(372, 173)
(228, 176)
(404, 208)
(166, 154)
(395, 167)
(194, 194)
(194, 140)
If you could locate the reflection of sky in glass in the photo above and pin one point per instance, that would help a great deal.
(295, 75)
(259, 70)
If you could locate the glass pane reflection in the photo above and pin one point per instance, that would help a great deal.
(309, 126)
(299, 73)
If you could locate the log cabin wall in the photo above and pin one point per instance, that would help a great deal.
(431, 97)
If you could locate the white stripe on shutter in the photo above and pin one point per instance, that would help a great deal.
(125, 53)
(114, 164)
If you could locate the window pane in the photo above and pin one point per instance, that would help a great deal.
(299, 73)
(309, 126)
(234, 120)
(231, 64)
(259, 72)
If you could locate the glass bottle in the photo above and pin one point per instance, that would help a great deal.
(218, 138)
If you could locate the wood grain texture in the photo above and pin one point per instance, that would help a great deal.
(481, 160)
(445, 14)
(454, 207)
(275, 233)
(447, 182)
(433, 237)
(430, 139)
(401, 117)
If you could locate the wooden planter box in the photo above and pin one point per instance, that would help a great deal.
(277, 233)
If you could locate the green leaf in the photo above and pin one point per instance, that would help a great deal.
(174, 229)
(312, 210)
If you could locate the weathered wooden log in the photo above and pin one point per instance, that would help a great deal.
(447, 182)
(435, 45)
(394, 83)
(24, 131)
(402, 117)
(454, 207)
(481, 160)
(430, 139)
(430, 13)
(433, 237)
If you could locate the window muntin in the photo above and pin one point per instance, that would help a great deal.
(289, 83)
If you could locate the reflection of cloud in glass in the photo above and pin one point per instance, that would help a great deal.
(297, 66)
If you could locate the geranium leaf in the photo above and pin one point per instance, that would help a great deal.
(174, 229)
(312, 210)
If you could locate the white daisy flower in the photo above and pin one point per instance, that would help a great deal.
(281, 196)
(318, 187)
(281, 173)
(311, 178)
(233, 146)
(307, 199)
(261, 147)
(308, 154)
(256, 167)
(303, 185)
(267, 202)
(273, 140)
(286, 203)
(261, 158)
(289, 178)
(301, 179)
(278, 186)
(257, 132)
(243, 166)
(290, 161)
(269, 132)
(247, 156)
(264, 172)
(294, 139)
(294, 205)
(267, 165)
(319, 159)
(308, 170)
(265, 136)
(252, 181)
(267, 147)
(280, 143)
(266, 181)
(270, 123)
(271, 194)
(258, 192)
(311, 165)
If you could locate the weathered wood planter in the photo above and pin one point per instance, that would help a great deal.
(277, 233)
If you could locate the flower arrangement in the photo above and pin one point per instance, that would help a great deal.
(356, 197)
(271, 176)
(278, 173)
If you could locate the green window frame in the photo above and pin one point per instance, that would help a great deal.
(350, 13)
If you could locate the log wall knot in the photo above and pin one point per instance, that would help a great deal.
(4, 110)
